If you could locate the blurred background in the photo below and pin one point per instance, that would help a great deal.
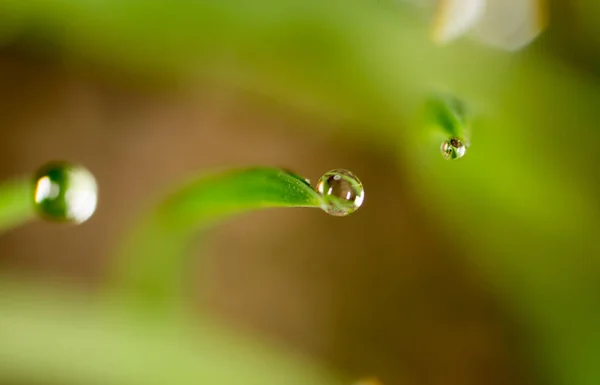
(482, 270)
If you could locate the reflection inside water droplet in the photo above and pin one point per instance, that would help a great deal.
(453, 149)
(342, 192)
(65, 192)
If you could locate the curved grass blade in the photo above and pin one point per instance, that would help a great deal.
(152, 263)
(16, 206)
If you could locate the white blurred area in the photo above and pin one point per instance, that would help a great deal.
(505, 24)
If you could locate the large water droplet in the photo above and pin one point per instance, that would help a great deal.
(342, 192)
(453, 148)
(65, 192)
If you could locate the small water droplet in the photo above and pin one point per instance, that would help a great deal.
(342, 192)
(453, 148)
(65, 192)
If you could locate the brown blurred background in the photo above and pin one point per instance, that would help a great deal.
(396, 301)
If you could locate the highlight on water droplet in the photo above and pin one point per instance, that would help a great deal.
(342, 192)
(453, 148)
(65, 192)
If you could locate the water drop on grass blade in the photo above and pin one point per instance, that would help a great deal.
(446, 117)
(453, 148)
(342, 192)
(65, 192)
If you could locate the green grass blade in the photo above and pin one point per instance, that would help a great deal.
(51, 336)
(16, 205)
(152, 263)
(447, 117)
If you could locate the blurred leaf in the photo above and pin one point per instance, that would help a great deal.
(51, 336)
(447, 116)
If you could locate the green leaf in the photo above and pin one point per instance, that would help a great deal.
(49, 335)
(153, 262)
(447, 117)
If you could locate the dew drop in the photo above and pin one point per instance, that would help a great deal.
(453, 148)
(65, 192)
(342, 192)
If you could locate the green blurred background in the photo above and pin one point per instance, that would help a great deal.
(482, 270)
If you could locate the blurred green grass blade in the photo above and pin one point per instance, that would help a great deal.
(16, 205)
(445, 117)
(48, 335)
(331, 56)
(351, 59)
(153, 262)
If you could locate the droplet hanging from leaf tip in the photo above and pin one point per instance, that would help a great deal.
(342, 192)
(453, 148)
(65, 192)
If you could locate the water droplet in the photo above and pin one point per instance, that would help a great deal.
(453, 149)
(342, 192)
(65, 192)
